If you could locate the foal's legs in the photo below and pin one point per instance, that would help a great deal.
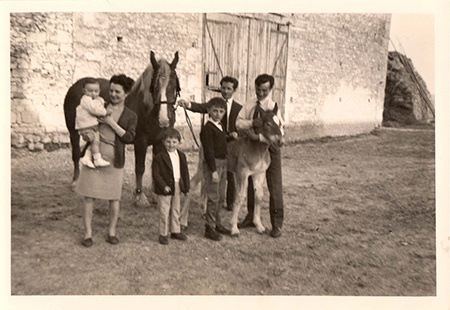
(241, 178)
(258, 182)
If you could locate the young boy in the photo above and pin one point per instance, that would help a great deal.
(170, 177)
(91, 106)
(228, 87)
(214, 142)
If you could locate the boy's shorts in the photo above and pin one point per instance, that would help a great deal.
(88, 134)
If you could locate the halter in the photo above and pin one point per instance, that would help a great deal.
(154, 86)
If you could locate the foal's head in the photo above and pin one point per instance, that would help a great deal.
(271, 126)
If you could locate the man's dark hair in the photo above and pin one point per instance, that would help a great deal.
(264, 78)
(230, 79)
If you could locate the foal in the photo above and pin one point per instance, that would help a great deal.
(247, 157)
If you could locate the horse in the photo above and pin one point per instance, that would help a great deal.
(250, 158)
(152, 97)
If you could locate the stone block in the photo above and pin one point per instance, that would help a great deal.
(29, 138)
(64, 36)
(50, 128)
(23, 64)
(64, 138)
(30, 117)
(17, 138)
(18, 95)
(20, 145)
(46, 139)
(38, 147)
(38, 37)
(49, 67)
(19, 73)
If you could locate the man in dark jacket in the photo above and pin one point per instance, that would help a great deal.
(228, 86)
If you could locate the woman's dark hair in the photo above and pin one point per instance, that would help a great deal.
(264, 78)
(230, 79)
(123, 80)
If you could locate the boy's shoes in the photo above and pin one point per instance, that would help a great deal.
(87, 162)
(222, 230)
(87, 242)
(112, 239)
(275, 232)
(178, 236)
(247, 222)
(163, 239)
(212, 234)
(100, 162)
(184, 229)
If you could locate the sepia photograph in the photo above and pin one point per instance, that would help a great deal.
(246, 156)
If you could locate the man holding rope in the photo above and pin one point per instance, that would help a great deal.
(228, 86)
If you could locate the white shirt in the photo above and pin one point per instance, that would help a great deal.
(175, 159)
(218, 124)
(229, 103)
(245, 116)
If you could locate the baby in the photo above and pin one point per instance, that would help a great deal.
(91, 106)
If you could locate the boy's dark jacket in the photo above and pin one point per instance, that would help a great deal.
(162, 172)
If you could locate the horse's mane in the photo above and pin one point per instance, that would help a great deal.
(143, 83)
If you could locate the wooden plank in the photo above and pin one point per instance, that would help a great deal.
(246, 47)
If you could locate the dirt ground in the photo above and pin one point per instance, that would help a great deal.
(359, 221)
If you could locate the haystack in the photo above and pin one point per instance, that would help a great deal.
(407, 100)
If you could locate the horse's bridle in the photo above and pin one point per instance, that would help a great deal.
(177, 89)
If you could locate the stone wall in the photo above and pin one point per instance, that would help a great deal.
(335, 81)
(336, 73)
(42, 63)
(50, 51)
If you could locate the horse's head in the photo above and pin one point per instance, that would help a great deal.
(271, 126)
(164, 89)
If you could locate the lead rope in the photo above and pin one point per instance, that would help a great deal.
(188, 121)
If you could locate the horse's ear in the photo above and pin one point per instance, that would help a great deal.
(174, 63)
(153, 59)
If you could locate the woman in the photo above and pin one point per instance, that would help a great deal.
(116, 129)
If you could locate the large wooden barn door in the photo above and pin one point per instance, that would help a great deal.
(225, 53)
(244, 47)
(268, 54)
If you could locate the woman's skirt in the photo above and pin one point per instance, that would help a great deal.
(104, 182)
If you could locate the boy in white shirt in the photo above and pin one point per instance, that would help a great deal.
(170, 177)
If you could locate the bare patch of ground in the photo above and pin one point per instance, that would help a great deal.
(359, 220)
